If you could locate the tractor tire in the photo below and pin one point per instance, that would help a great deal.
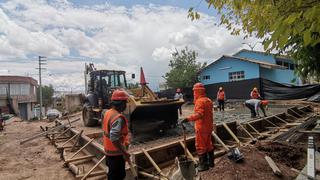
(88, 117)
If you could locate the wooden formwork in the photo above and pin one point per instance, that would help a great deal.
(86, 159)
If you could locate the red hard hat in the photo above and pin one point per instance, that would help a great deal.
(119, 95)
(264, 102)
(178, 90)
(198, 86)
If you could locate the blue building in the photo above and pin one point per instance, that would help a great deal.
(246, 69)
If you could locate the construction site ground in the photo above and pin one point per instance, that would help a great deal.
(38, 159)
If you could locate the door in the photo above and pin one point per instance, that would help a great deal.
(23, 110)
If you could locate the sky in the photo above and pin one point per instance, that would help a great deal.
(113, 34)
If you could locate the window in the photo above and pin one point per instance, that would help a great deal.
(236, 76)
(206, 77)
(287, 65)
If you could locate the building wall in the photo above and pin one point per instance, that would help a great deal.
(257, 56)
(278, 75)
(72, 101)
(219, 71)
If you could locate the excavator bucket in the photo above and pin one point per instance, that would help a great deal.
(148, 113)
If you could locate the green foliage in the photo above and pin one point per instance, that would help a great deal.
(184, 69)
(47, 93)
(291, 26)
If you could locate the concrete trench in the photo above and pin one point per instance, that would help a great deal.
(90, 153)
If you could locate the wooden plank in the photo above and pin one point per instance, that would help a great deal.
(309, 132)
(188, 152)
(76, 141)
(73, 137)
(90, 171)
(273, 166)
(246, 131)
(45, 133)
(79, 158)
(152, 162)
(294, 112)
(300, 172)
(271, 123)
(148, 175)
(63, 132)
(254, 129)
(81, 148)
(93, 174)
(280, 119)
(231, 133)
(219, 140)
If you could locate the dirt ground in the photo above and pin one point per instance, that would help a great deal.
(254, 166)
(33, 160)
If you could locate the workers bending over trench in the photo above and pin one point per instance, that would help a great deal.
(204, 125)
(254, 105)
(221, 98)
(116, 139)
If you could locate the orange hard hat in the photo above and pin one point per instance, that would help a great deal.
(178, 90)
(198, 86)
(119, 95)
(264, 102)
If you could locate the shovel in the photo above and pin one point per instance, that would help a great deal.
(184, 140)
(187, 166)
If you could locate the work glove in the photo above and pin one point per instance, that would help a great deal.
(182, 121)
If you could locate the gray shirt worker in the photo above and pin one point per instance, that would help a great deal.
(255, 103)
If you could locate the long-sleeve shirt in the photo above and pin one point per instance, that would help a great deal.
(115, 130)
(255, 103)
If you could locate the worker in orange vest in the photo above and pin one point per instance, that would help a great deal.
(204, 125)
(221, 97)
(116, 138)
(255, 94)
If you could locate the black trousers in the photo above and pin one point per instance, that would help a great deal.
(221, 104)
(252, 109)
(116, 165)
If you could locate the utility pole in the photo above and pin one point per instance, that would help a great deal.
(41, 62)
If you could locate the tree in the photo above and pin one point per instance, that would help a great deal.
(184, 69)
(290, 26)
(47, 93)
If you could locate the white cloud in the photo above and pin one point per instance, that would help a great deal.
(111, 36)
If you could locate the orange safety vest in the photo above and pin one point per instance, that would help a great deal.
(220, 95)
(254, 95)
(110, 116)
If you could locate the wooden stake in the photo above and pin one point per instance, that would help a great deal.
(81, 148)
(45, 132)
(247, 132)
(74, 136)
(79, 158)
(295, 113)
(280, 119)
(231, 133)
(254, 129)
(89, 172)
(219, 140)
(152, 162)
(76, 141)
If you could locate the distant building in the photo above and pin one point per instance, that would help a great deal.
(20, 91)
(245, 70)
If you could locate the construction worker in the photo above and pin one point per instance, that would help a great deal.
(254, 105)
(179, 95)
(221, 97)
(116, 139)
(255, 94)
(204, 125)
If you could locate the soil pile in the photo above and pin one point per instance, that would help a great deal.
(254, 166)
(288, 154)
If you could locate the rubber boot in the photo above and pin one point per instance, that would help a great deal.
(211, 158)
(203, 163)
